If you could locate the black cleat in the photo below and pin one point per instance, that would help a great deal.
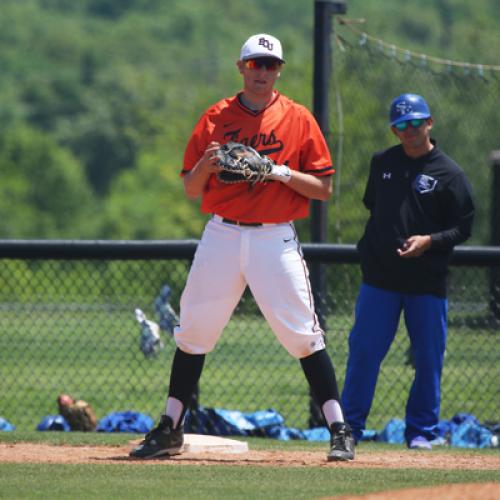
(162, 440)
(341, 442)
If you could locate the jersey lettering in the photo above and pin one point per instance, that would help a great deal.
(270, 142)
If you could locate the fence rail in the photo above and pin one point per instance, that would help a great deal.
(481, 256)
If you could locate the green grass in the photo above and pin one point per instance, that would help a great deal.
(180, 482)
(147, 480)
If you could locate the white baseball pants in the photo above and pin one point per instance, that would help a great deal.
(269, 260)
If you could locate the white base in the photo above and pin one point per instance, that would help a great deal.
(199, 443)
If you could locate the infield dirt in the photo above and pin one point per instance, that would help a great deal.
(44, 453)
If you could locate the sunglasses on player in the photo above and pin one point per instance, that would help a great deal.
(416, 123)
(270, 63)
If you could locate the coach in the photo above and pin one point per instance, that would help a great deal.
(421, 206)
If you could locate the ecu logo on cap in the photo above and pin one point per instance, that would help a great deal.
(266, 43)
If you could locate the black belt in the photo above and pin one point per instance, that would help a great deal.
(238, 223)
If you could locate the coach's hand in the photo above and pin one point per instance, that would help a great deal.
(415, 246)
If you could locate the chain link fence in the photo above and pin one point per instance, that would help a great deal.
(69, 326)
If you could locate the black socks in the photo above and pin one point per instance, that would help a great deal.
(184, 377)
(320, 374)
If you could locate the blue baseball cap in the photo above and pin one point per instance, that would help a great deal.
(408, 107)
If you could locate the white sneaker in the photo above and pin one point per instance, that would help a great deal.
(420, 443)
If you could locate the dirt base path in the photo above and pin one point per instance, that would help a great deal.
(477, 491)
(43, 453)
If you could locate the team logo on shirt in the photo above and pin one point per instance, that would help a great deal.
(424, 184)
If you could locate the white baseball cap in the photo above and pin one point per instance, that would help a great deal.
(262, 45)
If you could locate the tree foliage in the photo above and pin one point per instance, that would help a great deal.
(43, 189)
(104, 94)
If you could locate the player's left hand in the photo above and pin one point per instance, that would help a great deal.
(415, 246)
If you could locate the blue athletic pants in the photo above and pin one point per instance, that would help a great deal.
(377, 316)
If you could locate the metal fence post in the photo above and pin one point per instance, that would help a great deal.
(495, 235)
(324, 10)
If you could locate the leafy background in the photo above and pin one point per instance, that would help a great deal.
(98, 98)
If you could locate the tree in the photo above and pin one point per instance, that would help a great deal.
(43, 193)
(148, 202)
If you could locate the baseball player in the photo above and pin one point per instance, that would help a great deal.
(250, 240)
(421, 206)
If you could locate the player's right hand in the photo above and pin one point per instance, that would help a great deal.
(209, 159)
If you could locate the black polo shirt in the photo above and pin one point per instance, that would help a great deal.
(406, 197)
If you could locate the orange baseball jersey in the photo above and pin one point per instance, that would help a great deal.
(284, 131)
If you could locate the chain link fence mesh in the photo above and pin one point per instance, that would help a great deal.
(69, 326)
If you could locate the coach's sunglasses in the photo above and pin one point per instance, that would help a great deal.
(270, 63)
(416, 123)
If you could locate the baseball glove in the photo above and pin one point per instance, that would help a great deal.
(242, 164)
(79, 414)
